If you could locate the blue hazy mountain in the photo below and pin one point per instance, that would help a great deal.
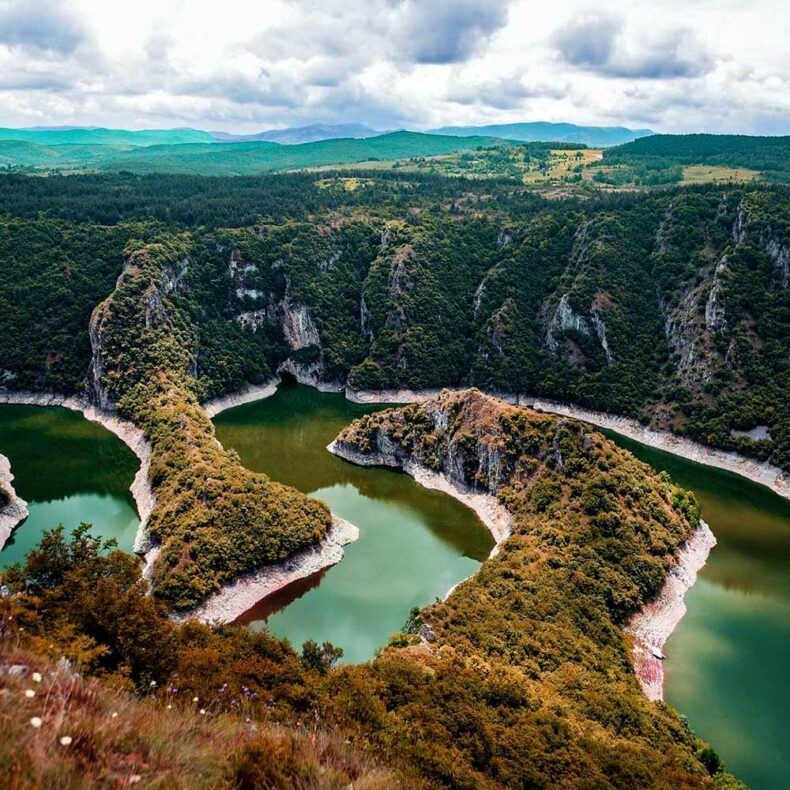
(540, 132)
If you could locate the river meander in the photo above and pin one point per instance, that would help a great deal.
(727, 665)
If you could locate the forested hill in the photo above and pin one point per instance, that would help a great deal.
(767, 155)
(673, 308)
(229, 158)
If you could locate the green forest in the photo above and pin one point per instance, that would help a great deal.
(671, 308)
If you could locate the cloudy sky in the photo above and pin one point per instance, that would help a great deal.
(245, 65)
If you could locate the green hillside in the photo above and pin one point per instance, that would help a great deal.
(106, 136)
(217, 159)
(662, 158)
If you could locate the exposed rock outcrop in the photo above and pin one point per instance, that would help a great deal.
(14, 510)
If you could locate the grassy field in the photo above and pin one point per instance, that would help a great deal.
(709, 174)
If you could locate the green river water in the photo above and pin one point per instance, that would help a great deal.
(727, 666)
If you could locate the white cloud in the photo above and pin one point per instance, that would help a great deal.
(243, 65)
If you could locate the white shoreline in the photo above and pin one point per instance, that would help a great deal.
(650, 626)
(654, 623)
(495, 516)
(235, 598)
(132, 436)
(15, 510)
(760, 472)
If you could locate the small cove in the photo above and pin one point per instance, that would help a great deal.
(414, 545)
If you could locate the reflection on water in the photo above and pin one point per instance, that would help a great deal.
(414, 543)
(728, 658)
(69, 471)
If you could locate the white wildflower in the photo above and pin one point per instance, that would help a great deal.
(170, 707)
(65, 740)
(36, 722)
(37, 677)
(202, 711)
(114, 715)
(153, 683)
(30, 693)
(194, 699)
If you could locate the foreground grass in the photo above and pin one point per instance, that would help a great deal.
(77, 733)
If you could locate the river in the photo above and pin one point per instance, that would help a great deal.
(727, 665)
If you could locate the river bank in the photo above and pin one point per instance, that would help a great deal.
(489, 510)
(127, 432)
(654, 623)
(236, 598)
(15, 510)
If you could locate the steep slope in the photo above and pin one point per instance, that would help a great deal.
(212, 519)
(520, 678)
(594, 534)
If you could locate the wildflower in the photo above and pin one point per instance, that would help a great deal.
(36, 722)
(65, 740)
(153, 683)
(202, 711)
(134, 779)
(30, 693)
(114, 715)
(36, 677)
(170, 707)
(194, 699)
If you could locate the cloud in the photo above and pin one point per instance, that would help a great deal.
(44, 25)
(588, 41)
(597, 43)
(439, 32)
(251, 64)
(503, 93)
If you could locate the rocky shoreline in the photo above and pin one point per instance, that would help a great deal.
(489, 510)
(127, 432)
(236, 598)
(650, 627)
(759, 472)
(251, 394)
(762, 473)
(15, 510)
(654, 623)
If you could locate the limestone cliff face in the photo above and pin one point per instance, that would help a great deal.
(292, 318)
(747, 229)
(565, 319)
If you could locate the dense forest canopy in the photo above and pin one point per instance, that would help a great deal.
(669, 307)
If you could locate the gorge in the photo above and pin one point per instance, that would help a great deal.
(661, 315)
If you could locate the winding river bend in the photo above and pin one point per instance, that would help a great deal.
(414, 543)
(727, 666)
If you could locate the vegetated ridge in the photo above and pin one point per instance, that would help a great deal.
(522, 677)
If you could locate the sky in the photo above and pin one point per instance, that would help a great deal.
(241, 66)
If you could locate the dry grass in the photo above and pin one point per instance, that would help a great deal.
(94, 736)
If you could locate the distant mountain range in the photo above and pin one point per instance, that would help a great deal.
(594, 136)
(540, 132)
(80, 135)
(301, 134)
(224, 158)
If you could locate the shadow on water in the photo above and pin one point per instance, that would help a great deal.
(69, 471)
